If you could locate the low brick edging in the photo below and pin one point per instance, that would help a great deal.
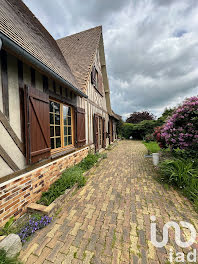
(51, 209)
(17, 194)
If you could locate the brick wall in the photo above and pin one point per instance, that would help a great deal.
(17, 193)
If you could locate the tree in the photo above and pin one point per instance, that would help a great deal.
(137, 117)
(166, 114)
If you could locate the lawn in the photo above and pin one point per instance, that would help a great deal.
(152, 147)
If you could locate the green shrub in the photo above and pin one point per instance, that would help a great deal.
(149, 137)
(182, 173)
(140, 130)
(6, 260)
(89, 161)
(179, 172)
(152, 147)
(68, 179)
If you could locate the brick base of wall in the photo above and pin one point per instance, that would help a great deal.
(16, 194)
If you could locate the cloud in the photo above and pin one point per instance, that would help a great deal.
(151, 46)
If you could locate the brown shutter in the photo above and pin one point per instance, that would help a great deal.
(93, 76)
(80, 127)
(95, 128)
(37, 125)
(103, 134)
(111, 130)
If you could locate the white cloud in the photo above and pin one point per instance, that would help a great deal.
(151, 46)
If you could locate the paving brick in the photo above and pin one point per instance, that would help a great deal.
(108, 220)
(54, 251)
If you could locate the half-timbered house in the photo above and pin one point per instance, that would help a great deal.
(54, 104)
(85, 55)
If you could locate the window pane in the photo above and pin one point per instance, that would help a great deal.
(65, 141)
(51, 106)
(58, 142)
(65, 131)
(69, 121)
(69, 111)
(51, 131)
(57, 119)
(65, 121)
(57, 108)
(57, 131)
(69, 140)
(69, 131)
(51, 119)
(65, 110)
(52, 143)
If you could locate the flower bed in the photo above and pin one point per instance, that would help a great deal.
(35, 223)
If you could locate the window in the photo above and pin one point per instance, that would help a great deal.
(96, 79)
(61, 125)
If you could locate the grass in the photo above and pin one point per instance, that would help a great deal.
(69, 178)
(152, 147)
(5, 260)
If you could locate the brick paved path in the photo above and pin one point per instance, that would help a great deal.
(108, 220)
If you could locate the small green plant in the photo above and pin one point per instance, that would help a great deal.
(183, 174)
(104, 155)
(89, 161)
(7, 229)
(152, 147)
(5, 260)
(68, 179)
(179, 172)
(114, 239)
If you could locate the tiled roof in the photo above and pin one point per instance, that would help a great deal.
(19, 24)
(79, 50)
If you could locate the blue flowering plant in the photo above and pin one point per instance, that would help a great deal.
(35, 223)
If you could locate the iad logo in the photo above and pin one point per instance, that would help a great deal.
(177, 234)
(180, 255)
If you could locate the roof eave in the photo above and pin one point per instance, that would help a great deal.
(7, 42)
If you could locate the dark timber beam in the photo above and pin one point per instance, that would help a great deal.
(11, 132)
(8, 160)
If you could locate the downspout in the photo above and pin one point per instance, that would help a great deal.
(6, 42)
(0, 44)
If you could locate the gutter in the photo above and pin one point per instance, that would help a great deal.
(7, 42)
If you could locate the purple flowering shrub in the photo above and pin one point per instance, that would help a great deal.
(181, 129)
(34, 224)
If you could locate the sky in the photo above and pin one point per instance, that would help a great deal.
(151, 46)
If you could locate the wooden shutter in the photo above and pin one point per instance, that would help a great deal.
(110, 131)
(93, 76)
(95, 128)
(37, 125)
(104, 133)
(80, 127)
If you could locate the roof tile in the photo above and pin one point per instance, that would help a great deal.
(19, 24)
(79, 50)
